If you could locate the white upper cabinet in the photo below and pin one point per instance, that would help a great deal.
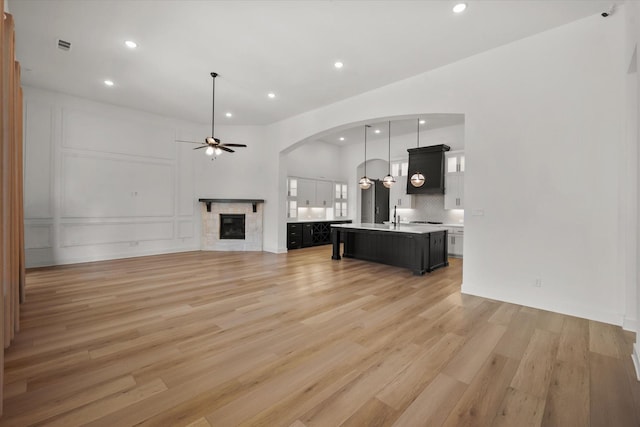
(454, 191)
(454, 180)
(314, 194)
(324, 194)
(454, 161)
(292, 197)
(292, 187)
(340, 208)
(306, 192)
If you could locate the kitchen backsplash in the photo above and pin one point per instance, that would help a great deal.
(306, 214)
(430, 207)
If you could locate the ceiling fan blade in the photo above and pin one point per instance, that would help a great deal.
(204, 146)
(234, 145)
(189, 142)
(222, 147)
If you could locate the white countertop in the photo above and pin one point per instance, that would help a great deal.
(413, 224)
(315, 220)
(400, 228)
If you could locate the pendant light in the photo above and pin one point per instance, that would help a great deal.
(417, 179)
(388, 180)
(365, 182)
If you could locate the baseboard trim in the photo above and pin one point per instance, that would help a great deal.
(630, 324)
(107, 257)
(576, 311)
(273, 250)
(635, 356)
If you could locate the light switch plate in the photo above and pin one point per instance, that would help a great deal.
(477, 212)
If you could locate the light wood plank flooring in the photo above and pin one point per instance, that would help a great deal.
(257, 339)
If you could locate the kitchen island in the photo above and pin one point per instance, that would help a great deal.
(421, 248)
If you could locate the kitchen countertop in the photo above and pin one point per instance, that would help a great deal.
(400, 228)
(316, 220)
(413, 224)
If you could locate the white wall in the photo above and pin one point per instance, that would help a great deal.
(316, 159)
(544, 125)
(633, 137)
(104, 182)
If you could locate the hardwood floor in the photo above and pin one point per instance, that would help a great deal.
(225, 339)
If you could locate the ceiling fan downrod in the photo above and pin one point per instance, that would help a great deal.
(213, 106)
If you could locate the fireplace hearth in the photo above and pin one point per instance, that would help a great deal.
(232, 226)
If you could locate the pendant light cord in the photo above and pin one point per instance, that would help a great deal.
(418, 132)
(365, 150)
(389, 151)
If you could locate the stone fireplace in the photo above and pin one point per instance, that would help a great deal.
(231, 224)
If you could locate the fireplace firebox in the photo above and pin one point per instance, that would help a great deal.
(232, 226)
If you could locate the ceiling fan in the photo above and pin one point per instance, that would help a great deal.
(212, 144)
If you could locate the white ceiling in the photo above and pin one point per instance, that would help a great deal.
(399, 127)
(287, 47)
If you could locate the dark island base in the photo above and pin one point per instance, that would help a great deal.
(418, 252)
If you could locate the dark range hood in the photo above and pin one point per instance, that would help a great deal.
(429, 161)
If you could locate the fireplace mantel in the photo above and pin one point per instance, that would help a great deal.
(254, 202)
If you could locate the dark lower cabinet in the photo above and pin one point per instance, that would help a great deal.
(438, 249)
(306, 234)
(294, 235)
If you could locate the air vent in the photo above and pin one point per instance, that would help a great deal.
(64, 45)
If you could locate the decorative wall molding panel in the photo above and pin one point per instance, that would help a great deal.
(97, 186)
(105, 182)
(106, 233)
(185, 229)
(38, 149)
(106, 131)
(38, 236)
(185, 180)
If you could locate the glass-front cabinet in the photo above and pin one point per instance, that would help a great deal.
(341, 205)
(454, 180)
(292, 198)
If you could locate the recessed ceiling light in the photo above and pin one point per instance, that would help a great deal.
(109, 83)
(271, 95)
(377, 131)
(341, 138)
(229, 115)
(131, 44)
(338, 64)
(422, 122)
(459, 8)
